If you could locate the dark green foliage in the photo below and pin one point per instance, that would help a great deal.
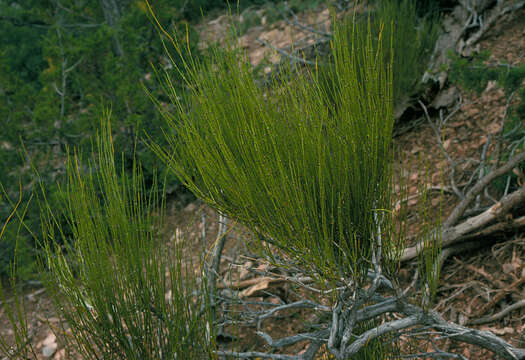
(431, 8)
(58, 68)
(472, 74)
(194, 9)
(520, 109)
(302, 5)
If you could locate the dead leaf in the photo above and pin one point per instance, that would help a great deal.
(50, 338)
(516, 260)
(262, 267)
(252, 290)
(497, 331)
(245, 270)
(507, 268)
(491, 84)
(494, 127)
(60, 355)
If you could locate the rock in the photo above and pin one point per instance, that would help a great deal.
(446, 98)
(49, 350)
(50, 345)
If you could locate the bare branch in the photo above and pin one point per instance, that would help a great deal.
(460, 209)
(256, 354)
(290, 340)
(444, 151)
(458, 233)
(376, 332)
(498, 315)
(309, 354)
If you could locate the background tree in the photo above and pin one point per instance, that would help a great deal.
(62, 62)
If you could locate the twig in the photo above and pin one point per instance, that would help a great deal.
(500, 295)
(303, 304)
(378, 331)
(256, 354)
(482, 168)
(307, 355)
(498, 315)
(290, 340)
(481, 184)
(444, 151)
(484, 27)
(250, 282)
(212, 271)
(459, 232)
(502, 127)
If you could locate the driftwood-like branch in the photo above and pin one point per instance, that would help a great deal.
(487, 24)
(213, 270)
(294, 339)
(499, 315)
(357, 306)
(451, 234)
(476, 189)
(309, 354)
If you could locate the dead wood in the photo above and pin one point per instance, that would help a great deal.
(481, 224)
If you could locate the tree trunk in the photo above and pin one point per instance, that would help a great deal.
(112, 15)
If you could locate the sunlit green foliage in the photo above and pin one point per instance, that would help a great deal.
(413, 39)
(312, 181)
(117, 283)
(409, 38)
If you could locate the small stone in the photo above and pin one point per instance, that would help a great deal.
(507, 268)
(49, 350)
(446, 98)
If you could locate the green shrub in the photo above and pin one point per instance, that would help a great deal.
(311, 181)
(412, 42)
(122, 289)
(472, 75)
(408, 38)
